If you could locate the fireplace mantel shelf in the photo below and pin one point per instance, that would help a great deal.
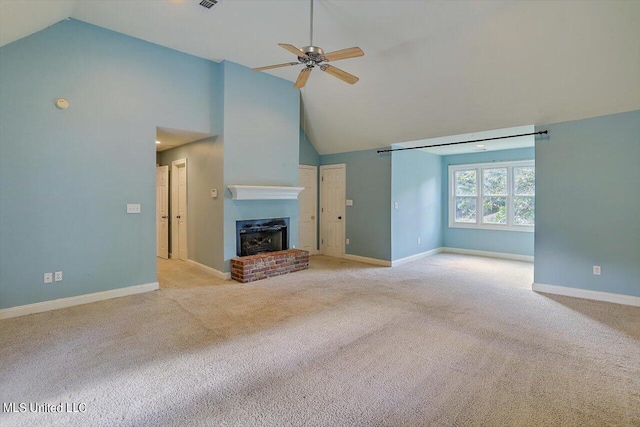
(264, 192)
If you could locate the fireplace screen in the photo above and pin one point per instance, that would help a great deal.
(261, 235)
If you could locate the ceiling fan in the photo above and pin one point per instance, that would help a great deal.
(312, 56)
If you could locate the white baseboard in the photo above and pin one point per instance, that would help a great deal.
(415, 257)
(587, 294)
(501, 255)
(219, 274)
(366, 260)
(55, 304)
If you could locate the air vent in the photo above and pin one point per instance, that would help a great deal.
(208, 3)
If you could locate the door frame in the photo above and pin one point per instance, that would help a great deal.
(180, 163)
(317, 219)
(343, 166)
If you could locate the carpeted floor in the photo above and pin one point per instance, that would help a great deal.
(449, 340)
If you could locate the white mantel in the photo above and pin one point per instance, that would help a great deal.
(264, 192)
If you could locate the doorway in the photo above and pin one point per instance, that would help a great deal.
(308, 209)
(179, 209)
(332, 209)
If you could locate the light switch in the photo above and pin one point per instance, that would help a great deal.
(133, 208)
(349, 202)
(214, 193)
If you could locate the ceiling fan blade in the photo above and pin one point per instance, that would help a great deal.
(342, 75)
(351, 52)
(268, 67)
(303, 77)
(291, 48)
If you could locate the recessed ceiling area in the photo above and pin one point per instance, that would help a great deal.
(475, 147)
(171, 138)
(430, 69)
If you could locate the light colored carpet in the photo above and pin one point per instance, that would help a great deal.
(449, 340)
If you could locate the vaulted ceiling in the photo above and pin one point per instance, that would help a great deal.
(431, 68)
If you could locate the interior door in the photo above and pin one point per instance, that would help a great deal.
(179, 209)
(182, 212)
(308, 208)
(332, 212)
(162, 211)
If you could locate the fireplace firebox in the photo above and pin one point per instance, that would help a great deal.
(257, 236)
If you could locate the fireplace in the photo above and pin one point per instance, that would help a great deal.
(257, 236)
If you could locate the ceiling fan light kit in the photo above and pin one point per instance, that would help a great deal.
(312, 56)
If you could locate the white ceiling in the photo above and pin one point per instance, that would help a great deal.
(170, 138)
(431, 68)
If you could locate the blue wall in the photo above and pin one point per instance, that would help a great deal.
(512, 242)
(368, 221)
(66, 176)
(262, 142)
(308, 153)
(416, 185)
(588, 204)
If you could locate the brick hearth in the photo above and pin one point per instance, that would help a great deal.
(255, 267)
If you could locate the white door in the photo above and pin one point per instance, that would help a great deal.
(332, 209)
(308, 208)
(162, 211)
(179, 209)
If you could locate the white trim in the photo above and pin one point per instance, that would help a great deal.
(501, 255)
(587, 294)
(263, 192)
(55, 304)
(219, 274)
(405, 260)
(367, 260)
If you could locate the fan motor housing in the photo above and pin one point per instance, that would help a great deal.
(314, 52)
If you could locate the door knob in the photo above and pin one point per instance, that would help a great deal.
(165, 217)
(313, 217)
(178, 216)
(339, 217)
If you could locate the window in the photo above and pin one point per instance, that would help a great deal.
(497, 196)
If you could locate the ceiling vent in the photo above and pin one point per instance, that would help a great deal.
(208, 3)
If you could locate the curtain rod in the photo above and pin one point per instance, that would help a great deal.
(389, 150)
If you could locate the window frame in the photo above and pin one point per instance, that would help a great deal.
(479, 168)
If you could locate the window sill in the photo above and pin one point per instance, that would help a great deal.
(519, 229)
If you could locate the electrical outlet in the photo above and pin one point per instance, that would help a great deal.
(596, 270)
(349, 202)
(347, 241)
(48, 277)
(57, 276)
(418, 240)
(395, 205)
